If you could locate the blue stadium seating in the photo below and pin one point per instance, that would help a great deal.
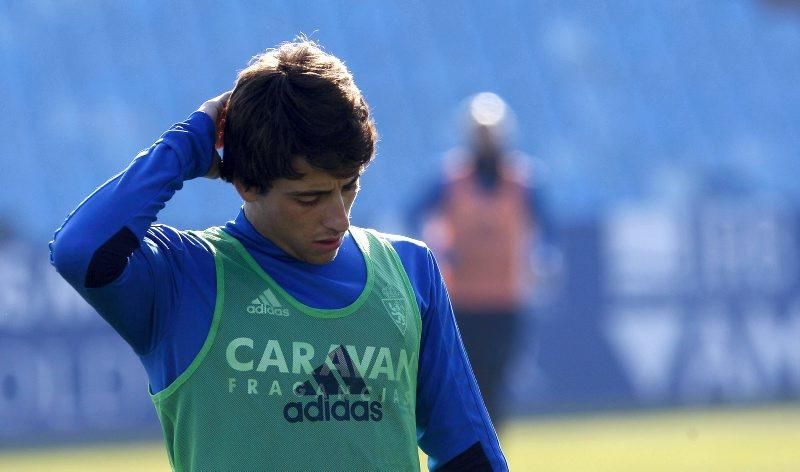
(605, 92)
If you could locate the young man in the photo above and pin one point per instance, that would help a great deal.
(287, 339)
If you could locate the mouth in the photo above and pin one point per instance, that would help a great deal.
(329, 244)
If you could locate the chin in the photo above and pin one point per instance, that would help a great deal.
(321, 259)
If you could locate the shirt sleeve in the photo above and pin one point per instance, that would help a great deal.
(452, 421)
(108, 250)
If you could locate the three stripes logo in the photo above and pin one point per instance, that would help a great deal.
(339, 376)
(267, 304)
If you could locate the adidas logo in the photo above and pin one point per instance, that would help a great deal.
(267, 304)
(350, 382)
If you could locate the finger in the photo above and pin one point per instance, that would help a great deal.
(223, 97)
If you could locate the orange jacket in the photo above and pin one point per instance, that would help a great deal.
(485, 235)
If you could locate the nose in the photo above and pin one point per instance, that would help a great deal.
(337, 215)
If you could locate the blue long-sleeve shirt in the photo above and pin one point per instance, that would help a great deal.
(156, 286)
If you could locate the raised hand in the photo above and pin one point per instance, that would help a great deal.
(216, 108)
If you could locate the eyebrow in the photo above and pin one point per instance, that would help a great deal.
(314, 193)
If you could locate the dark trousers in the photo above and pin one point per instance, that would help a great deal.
(489, 338)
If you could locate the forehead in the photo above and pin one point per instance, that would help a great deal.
(314, 175)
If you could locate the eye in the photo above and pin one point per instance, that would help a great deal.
(308, 202)
(354, 186)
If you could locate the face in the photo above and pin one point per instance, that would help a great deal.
(308, 217)
(485, 141)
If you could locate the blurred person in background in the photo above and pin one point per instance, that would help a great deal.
(485, 219)
(286, 339)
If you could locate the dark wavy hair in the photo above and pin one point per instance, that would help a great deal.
(295, 100)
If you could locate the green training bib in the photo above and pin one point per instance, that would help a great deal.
(282, 386)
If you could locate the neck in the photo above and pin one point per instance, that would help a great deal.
(487, 168)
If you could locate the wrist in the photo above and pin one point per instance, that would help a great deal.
(209, 109)
(193, 141)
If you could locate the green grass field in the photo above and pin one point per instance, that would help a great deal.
(762, 440)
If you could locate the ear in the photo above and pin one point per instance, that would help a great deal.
(248, 194)
(220, 127)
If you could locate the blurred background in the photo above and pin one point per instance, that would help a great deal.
(664, 331)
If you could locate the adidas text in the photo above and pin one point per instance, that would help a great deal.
(323, 409)
(267, 304)
(267, 310)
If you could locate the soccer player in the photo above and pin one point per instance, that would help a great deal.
(286, 339)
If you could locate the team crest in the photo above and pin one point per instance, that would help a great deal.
(395, 305)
